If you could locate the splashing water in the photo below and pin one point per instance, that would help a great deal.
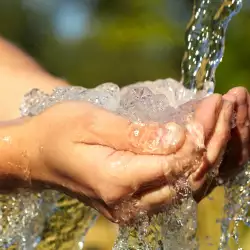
(236, 208)
(176, 227)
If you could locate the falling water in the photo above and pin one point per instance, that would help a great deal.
(236, 208)
(205, 40)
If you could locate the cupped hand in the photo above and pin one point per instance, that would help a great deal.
(121, 168)
(235, 154)
(238, 150)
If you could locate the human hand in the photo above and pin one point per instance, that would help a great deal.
(105, 160)
(238, 149)
(100, 157)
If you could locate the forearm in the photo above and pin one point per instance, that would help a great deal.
(19, 73)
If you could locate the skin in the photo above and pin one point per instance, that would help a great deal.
(76, 148)
(237, 150)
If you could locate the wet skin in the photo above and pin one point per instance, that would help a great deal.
(95, 155)
(237, 150)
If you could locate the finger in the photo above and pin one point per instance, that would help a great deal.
(153, 170)
(126, 173)
(207, 113)
(165, 195)
(241, 96)
(114, 131)
(221, 134)
(115, 174)
(143, 171)
(155, 138)
(229, 97)
(157, 198)
(159, 170)
(200, 130)
(241, 132)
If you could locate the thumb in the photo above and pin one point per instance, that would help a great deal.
(108, 129)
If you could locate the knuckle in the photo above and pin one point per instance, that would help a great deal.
(241, 94)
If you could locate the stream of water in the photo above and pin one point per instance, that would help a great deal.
(205, 40)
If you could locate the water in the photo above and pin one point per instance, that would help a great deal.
(175, 228)
(205, 40)
(236, 208)
(69, 220)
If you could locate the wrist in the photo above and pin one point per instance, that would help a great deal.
(21, 161)
(14, 155)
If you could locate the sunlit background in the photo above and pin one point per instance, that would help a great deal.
(89, 42)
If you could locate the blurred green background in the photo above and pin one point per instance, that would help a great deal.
(89, 42)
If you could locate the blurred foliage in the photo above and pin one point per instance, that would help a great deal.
(89, 42)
